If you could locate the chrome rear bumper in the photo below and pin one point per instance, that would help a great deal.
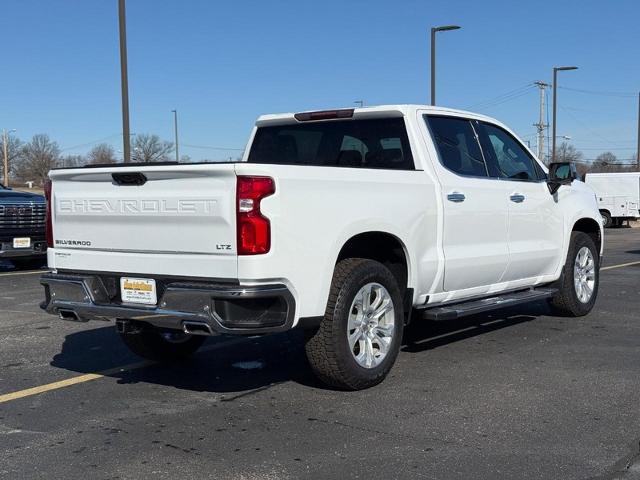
(225, 308)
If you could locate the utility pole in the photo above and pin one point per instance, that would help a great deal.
(555, 96)
(175, 128)
(124, 82)
(541, 126)
(5, 151)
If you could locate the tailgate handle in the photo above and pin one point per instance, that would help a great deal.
(129, 178)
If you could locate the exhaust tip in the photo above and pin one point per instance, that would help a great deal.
(197, 328)
(68, 315)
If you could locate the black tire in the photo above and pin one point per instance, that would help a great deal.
(328, 348)
(566, 301)
(30, 262)
(153, 344)
(607, 222)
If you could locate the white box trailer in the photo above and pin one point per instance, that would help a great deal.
(618, 195)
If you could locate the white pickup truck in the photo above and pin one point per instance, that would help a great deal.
(349, 223)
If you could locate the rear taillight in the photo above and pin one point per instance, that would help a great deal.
(49, 224)
(254, 229)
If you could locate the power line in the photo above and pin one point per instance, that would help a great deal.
(586, 127)
(599, 92)
(504, 97)
(88, 144)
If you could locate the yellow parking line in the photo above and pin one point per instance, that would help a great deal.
(621, 265)
(30, 272)
(7, 397)
(48, 387)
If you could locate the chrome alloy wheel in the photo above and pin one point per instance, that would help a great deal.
(584, 274)
(371, 325)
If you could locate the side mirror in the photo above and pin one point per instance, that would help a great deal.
(561, 173)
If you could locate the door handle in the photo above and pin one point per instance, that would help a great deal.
(456, 197)
(517, 198)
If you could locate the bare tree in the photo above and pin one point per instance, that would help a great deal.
(14, 154)
(102, 153)
(69, 161)
(148, 148)
(566, 152)
(39, 156)
(604, 160)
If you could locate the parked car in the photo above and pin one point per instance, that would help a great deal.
(618, 196)
(22, 228)
(348, 223)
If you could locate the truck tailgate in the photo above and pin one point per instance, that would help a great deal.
(179, 215)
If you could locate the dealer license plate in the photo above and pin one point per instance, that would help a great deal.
(21, 242)
(138, 290)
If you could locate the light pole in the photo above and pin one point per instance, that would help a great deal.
(638, 148)
(555, 95)
(175, 129)
(124, 82)
(5, 151)
(434, 30)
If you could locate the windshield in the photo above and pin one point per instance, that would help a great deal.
(377, 143)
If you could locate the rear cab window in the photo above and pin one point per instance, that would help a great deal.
(380, 143)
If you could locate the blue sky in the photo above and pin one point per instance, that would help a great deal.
(221, 64)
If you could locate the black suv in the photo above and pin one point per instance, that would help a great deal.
(22, 228)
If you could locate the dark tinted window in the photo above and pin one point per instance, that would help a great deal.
(539, 171)
(457, 145)
(379, 143)
(505, 156)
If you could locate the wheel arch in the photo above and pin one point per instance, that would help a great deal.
(592, 228)
(382, 247)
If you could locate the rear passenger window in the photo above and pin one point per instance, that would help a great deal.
(505, 156)
(457, 146)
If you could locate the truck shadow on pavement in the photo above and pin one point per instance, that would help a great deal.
(256, 363)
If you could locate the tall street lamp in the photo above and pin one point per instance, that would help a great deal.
(555, 88)
(434, 30)
(175, 130)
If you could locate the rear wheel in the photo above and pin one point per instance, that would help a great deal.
(360, 335)
(162, 345)
(606, 219)
(580, 277)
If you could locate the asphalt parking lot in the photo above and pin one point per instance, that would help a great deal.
(516, 394)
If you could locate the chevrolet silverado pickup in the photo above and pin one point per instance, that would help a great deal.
(349, 223)
(22, 228)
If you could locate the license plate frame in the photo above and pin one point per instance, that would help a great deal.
(21, 242)
(139, 291)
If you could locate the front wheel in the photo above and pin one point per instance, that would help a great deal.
(580, 277)
(162, 345)
(360, 335)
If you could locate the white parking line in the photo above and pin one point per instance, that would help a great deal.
(621, 265)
